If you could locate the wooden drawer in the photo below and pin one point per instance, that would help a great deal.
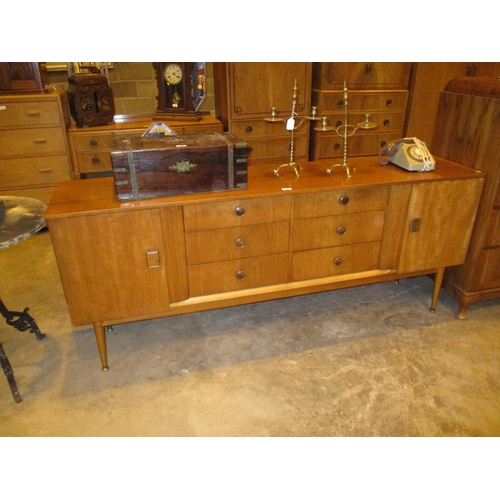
(255, 128)
(361, 101)
(337, 230)
(492, 236)
(333, 261)
(94, 162)
(385, 121)
(43, 170)
(362, 144)
(277, 148)
(29, 114)
(88, 142)
(340, 202)
(241, 274)
(32, 142)
(236, 242)
(236, 213)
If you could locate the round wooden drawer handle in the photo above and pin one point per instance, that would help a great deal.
(341, 230)
(338, 261)
(344, 200)
(240, 242)
(239, 211)
(240, 275)
(95, 160)
(93, 143)
(249, 129)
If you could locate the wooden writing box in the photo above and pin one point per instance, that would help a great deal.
(149, 167)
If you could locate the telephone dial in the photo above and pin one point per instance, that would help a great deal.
(409, 153)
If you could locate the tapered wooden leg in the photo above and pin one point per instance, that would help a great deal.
(438, 281)
(100, 336)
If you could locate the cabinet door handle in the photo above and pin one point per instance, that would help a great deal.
(41, 140)
(341, 230)
(338, 261)
(153, 258)
(240, 242)
(240, 275)
(344, 200)
(249, 129)
(386, 122)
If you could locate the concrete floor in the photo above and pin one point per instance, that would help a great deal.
(368, 361)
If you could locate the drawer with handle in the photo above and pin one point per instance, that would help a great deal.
(240, 274)
(29, 114)
(32, 142)
(321, 232)
(236, 242)
(333, 261)
(235, 213)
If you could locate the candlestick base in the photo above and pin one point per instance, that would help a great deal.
(346, 166)
(292, 164)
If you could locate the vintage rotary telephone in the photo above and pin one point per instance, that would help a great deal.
(409, 153)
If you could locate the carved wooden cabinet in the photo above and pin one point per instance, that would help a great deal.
(281, 237)
(377, 89)
(91, 146)
(468, 130)
(34, 154)
(245, 94)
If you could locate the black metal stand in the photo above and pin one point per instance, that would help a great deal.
(22, 322)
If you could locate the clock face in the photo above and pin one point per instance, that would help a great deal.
(173, 74)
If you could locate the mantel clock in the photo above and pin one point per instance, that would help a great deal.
(181, 89)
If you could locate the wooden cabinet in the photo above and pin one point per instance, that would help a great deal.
(377, 89)
(245, 94)
(23, 77)
(361, 75)
(468, 129)
(91, 147)
(428, 80)
(280, 237)
(34, 154)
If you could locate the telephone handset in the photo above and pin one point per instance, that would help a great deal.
(409, 153)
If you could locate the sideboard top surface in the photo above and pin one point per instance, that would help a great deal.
(84, 197)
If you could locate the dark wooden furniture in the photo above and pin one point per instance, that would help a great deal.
(281, 237)
(23, 77)
(468, 130)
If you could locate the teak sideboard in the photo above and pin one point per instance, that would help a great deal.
(281, 237)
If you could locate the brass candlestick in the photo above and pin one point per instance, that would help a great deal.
(291, 125)
(345, 130)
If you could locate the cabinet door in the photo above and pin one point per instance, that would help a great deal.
(112, 266)
(439, 224)
(257, 87)
(366, 75)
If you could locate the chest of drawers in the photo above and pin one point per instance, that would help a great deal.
(386, 108)
(281, 237)
(34, 154)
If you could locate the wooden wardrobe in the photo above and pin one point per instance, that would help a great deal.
(468, 131)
